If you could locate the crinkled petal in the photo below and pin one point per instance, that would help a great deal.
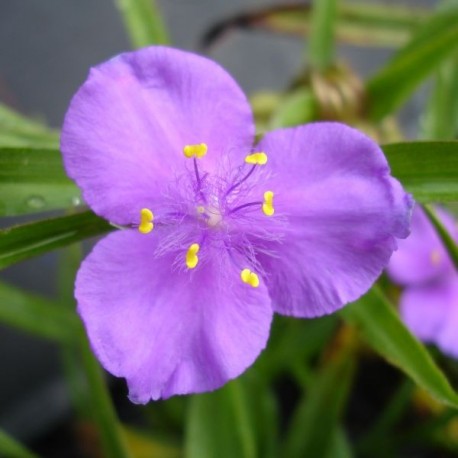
(126, 127)
(343, 212)
(421, 257)
(447, 339)
(168, 330)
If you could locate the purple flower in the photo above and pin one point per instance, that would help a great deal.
(217, 235)
(429, 302)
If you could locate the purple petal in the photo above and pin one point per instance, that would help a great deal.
(448, 336)
(126, 127)
(431, 313)
(422, 257)
(167, 330)
(343, 212)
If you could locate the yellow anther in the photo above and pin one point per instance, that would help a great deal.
(250, 278)
(191, 256)
(200, 209)
(259, 158)
(199, 150)
(268, 205)
(146, 221)
(435, 257)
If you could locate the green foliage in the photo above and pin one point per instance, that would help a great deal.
(314, 425)
(428, 170)
(25, 241)
(9, 448)
(143, 22)
(33, 180)
(33, 314)
(395, 82)
(387, 335)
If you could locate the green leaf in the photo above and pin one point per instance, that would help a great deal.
(143, 22)
(387, 335)
(28, 240)
(111, 435)
(431, 45)
(17, 130)
(36, 315)
(34, 180)
(219, 426)
(429, 170)
(321, 46)
(10, 448)
(298, 107)
(440, 121)
(307, 337)
(316, 419)
(340, 446)
(446, 238)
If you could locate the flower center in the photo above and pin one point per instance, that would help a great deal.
(215, 202)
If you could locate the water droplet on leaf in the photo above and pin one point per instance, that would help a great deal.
(36, 202)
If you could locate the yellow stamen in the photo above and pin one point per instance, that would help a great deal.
(435, 257)
(259, 158)
(191, 256)
(249, 278)
(198, 151)
(200, 209)
(268, 205)
(146, 221)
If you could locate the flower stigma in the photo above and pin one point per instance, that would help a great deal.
(216, 198)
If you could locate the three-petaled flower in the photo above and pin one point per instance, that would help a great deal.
(429, 301)
(217, 235)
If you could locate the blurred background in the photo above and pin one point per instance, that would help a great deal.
(46, 49)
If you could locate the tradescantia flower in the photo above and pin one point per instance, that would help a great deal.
(429, 301)
(217, 235)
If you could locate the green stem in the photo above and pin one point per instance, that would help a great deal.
(9, 448)
(321, 45)
(143, 22)
(102, 407)
(243, 422)
(69, 260)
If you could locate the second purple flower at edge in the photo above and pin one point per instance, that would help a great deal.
(218, 235)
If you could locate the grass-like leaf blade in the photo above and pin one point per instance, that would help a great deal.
(386, 334)
(33, 180)
(25, 241)
(432, 43)
(429, 170)
(36, 315)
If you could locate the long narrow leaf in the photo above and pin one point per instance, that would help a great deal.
(317, 416)
(227, 434)
(387, 335)
(28, 240)
(143, 22)
(33, 180)
(18, 130)
(10, 448)
(37, 315)
(431, 45)
(429, 170)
